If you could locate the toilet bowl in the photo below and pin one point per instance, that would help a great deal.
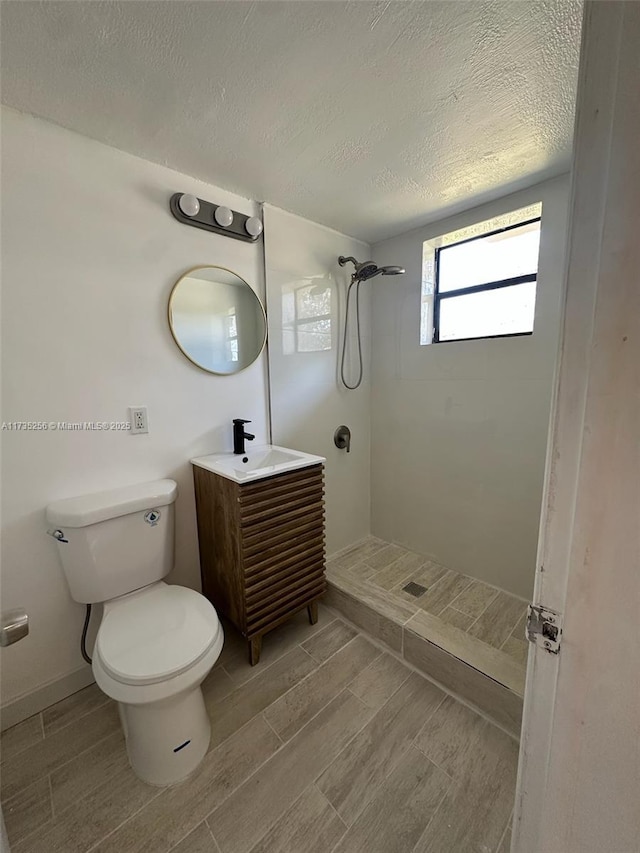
(156, 642)
(153, 650)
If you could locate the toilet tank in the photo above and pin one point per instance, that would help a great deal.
(114, 542)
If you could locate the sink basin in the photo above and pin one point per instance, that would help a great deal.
(257, 463)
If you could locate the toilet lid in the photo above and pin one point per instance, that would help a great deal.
(156, 634)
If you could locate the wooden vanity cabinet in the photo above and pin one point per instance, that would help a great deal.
(262, 548)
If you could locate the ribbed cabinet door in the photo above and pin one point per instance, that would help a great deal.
(282, 545)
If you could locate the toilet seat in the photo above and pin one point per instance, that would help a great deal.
(156, 633)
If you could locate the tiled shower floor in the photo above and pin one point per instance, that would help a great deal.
(477, 623)
(330, 744)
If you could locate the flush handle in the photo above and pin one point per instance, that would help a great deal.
(342, 438)
(58, 534)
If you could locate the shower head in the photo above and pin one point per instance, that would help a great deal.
(367, 269)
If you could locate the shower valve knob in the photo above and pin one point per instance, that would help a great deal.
(342, 438)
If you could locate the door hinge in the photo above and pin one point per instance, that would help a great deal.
(544, 628)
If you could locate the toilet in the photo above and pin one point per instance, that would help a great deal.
(156, 642)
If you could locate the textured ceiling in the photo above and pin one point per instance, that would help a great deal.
(370, 117)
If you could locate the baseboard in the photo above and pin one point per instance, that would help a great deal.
(32, 703)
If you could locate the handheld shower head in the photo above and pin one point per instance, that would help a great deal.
(367, 269)
(363, 272)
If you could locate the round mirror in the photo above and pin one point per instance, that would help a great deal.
(217, 320)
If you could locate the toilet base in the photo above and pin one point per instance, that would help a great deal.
(166, 740)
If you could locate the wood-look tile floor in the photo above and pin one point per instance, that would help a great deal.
(380, 571)
(330, 744)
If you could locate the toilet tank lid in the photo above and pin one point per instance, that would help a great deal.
(91, 509)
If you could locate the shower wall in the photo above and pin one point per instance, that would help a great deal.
(305, 307)
(459, 430)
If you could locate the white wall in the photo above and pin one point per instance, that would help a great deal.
(459, 429)
(90, 252)
(308, 402)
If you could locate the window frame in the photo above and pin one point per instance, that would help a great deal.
(477, 288)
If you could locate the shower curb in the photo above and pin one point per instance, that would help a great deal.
(493, 699)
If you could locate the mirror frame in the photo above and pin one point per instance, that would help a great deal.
(173, 333)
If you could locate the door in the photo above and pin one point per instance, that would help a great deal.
(579, 779)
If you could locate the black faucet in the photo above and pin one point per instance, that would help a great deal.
(239, 435)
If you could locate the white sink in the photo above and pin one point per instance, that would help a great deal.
(257, 463)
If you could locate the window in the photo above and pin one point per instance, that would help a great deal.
(481, 282)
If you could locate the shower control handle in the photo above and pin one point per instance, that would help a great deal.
(342, 438)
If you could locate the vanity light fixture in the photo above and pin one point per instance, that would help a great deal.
(189, 204)
(218, 218)
(223, 216)
(253, 227)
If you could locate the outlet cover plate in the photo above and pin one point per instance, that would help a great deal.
(138, 420)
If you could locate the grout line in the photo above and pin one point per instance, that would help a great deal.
(280, 748)
(188, 833)
(421, 751)
(285, 652)
(329, 803)
(468, 615)
(53, 811)
(513, 629)
(129, 817)
(509, 635)
(208, 825)
(394, 763)
(418, 846)
(472, 624)
(349, 548)
(264, 717)
(62, 764)
(77, 720)
(30, 833)
(482, 614)
(4, 760)
(292, 687)
(84, 751)
(503, 836)
(286, 693)
(464, 589)
(321, 709)
(441, 578)
(484, 609)
(280, 816)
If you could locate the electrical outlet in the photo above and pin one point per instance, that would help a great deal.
(138, 420)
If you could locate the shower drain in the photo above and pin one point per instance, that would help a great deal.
(414, 589)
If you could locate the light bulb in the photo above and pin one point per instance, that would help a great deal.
(253, 226)
(223, 216)
(189, 204)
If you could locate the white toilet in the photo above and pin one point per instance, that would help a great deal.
(156, 643)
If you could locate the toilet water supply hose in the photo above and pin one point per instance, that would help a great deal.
(83, 641)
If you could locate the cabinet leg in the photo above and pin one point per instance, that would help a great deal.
(312, 610)
(255, 647)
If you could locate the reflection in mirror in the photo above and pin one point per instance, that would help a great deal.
(306, 316)
(217, 320)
